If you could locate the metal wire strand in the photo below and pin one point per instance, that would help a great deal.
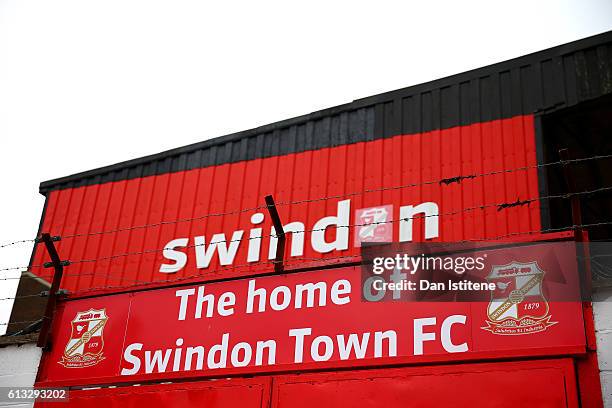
(498, 206)
(441, 181)
(292, 261)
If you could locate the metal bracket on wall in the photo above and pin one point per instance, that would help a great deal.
(280, 234)
(574, 199)
(58, 265)
(580, 236)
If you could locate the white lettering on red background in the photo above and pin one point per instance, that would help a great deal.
(372, 224)
(306, 343)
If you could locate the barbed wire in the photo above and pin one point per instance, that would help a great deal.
(499, 206)
(189, 277)
(22, 297)
(444, 181)
(16, 268)
(21, 322)
(440, 181)
(451, 180)
(292, 261)
(21, 241)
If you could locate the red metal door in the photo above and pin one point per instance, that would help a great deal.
(239, 392)
(548, 383)
(536, 383)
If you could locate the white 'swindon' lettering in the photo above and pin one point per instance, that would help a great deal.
(240, 354)
(226, 248)
(129, 357)
(341, 242)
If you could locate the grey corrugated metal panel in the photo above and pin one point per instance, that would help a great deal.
(268, 145)
(322, 133)
(427, 113)
(450, 106)
(309, 136)
(562, 50)
(300, 141)
(334, 131)
(194, 158)
(560, 76)
(391, 115)
(135, 172)
(605, 54)
(284, 141)
(505, 90)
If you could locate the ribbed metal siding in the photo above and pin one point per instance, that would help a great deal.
(559, 77)
(348, 168)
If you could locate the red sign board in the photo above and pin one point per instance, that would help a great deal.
(312, 320)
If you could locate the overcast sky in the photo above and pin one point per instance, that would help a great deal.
(85, 84)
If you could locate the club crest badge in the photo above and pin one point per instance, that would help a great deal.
(374, 224)
(86, 343)
(517, 304)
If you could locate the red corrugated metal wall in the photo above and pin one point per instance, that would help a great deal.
(405, 159)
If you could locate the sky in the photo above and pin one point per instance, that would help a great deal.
(84, 84)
